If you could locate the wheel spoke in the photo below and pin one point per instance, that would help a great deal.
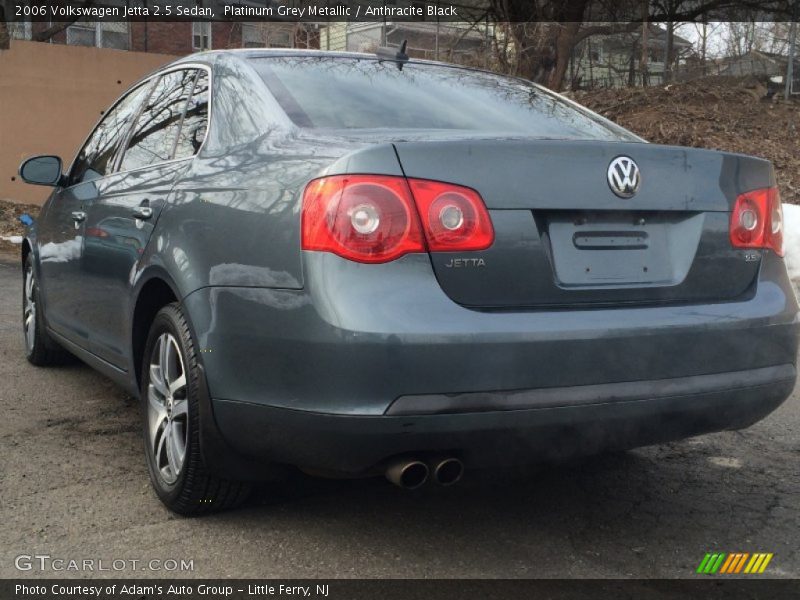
(169, 434)
(177, 384)
(156, 414)
(158, 453)
(29, 311)
(157, 380)
(163, 362)
(29, 286)
(174, 374)
(178, 448)
(30, 335)
(180, 408)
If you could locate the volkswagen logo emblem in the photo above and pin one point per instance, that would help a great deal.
(623, 176)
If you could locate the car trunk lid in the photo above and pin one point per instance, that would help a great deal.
(564, 238)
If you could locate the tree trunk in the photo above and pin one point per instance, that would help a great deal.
(645, 44)
(790, 62)
(520, 65)
(670, 50)
(704, 48)
(46, 34)
(565, 44)
(632, 67)
(572, 72)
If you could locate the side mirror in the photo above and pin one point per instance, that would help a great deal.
(41, 170)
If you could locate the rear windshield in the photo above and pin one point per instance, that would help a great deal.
(348, 93)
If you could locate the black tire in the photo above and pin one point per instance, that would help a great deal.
(40, 349)
(188, 489)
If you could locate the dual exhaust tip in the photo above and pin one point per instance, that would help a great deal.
(411, 474)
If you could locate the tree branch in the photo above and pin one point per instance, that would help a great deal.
(47, 34)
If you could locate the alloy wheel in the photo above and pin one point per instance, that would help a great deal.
(167, 408)
(29, 311)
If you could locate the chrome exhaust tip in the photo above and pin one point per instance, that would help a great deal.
(408, 474)
(447, 471)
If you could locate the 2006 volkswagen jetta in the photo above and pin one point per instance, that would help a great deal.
(354, 265)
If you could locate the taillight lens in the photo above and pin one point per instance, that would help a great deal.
(366, 218)
(375, 218)
(454, 217)
(757, 221)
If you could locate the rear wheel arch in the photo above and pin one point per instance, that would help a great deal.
(153, 295)
(26, 250)
(174, 424)
(40, 349)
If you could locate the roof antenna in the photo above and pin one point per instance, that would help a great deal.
(394, 54)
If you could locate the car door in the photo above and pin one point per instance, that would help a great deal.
(61, 226)
(167, 134)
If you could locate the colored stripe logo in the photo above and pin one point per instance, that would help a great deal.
(733, 563)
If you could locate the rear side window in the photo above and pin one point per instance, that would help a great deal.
(195, 121)
(96, 157)
(156, 131)
(345, 93)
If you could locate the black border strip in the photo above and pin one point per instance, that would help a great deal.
(430, 11)
(709, 588)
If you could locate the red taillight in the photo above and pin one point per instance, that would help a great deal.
(376, 218)
(454, 217)
(366, 218)
(757, 221)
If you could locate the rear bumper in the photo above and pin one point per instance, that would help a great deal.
(624, 416)
(375, 360)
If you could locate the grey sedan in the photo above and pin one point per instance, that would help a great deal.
(364, 264)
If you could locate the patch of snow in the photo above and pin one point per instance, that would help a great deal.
(791, 239)
(14, 239)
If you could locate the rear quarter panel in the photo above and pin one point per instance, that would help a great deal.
(234, 216)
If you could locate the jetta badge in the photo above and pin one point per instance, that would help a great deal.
(623, 176)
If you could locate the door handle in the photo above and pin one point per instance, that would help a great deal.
(78, 216)
(143, 212)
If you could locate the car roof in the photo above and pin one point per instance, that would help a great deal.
(245, 53)
(209, 57)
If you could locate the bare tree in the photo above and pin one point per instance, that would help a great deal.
(38, 36)
(56, 28)
(706, 33)
(743, 37)
(544, 33)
